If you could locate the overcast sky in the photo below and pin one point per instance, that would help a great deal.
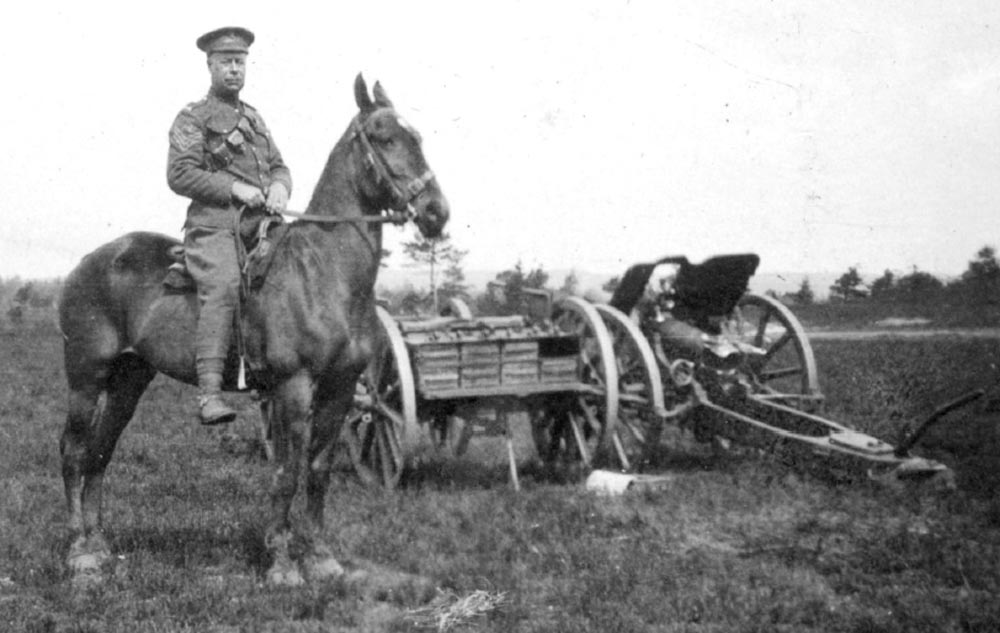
(565, 134)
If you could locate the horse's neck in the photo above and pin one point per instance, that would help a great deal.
(335, 193)
(353, 250)
(346, 251)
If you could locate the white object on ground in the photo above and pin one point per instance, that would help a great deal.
(606, 482)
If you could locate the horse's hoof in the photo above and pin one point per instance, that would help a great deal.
(87, 555)
(321, 565)
(86, 579)
(98, 544)
(285, 575)
(85, 563)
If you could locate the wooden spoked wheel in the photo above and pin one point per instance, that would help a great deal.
(458, 308)
(784, 368)
(579, 426)
(641, 408)
(382, 426)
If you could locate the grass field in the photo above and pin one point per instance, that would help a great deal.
(731, 544)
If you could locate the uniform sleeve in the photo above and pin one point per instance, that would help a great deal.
(277, 170)
(186, 173)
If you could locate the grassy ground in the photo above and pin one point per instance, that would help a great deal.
(728, 544)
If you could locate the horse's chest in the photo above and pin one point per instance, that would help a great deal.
(319, 345)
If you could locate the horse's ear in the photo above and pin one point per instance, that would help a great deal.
(361, 97)
(381, 99)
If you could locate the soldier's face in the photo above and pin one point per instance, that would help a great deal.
(229, 71)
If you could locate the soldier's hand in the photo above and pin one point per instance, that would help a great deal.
(249, 195)
(277, 198)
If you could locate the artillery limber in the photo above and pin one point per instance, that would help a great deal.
(434, 381)
(737, 368)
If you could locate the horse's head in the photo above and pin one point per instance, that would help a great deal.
(397, 175)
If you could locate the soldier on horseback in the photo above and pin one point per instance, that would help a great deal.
(224, 159)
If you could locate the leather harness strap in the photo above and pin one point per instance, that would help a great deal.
(403, 210)
(376, 161)
(393, 217)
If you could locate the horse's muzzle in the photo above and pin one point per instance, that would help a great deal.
(432, 216)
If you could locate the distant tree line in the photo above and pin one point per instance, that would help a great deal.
(978, 285)
(443, 262)
(20, 298)
(976, 290)
(970, 300)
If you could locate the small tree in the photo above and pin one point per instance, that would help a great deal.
(918, 287)
(454, 282)
(805, 295)
(985, 266)
(536, 278)
(570, 284)
(848, 286)
(981, 281)
(505, 293)
(884, 287)
(24, 293)
(432, 252)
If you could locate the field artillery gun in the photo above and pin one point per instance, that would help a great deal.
(737, 368)
(599, 383)
(434, 382)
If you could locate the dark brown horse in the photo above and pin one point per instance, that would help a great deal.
(312, 319)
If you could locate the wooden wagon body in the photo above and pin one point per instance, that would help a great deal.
(436, 381)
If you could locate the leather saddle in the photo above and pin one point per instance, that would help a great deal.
(256, 251)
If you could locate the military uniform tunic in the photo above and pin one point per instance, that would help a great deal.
(213, 144)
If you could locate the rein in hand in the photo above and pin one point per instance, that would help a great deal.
(376, 161)
(393, 217)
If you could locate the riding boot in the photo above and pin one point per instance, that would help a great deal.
(211, 408)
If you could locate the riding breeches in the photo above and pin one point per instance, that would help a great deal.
(210, 256)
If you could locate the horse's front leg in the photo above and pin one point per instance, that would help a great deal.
(328, 416)
(290, 430)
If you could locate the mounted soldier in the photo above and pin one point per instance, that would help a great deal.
(223, 158)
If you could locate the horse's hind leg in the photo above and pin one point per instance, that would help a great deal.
(99, 409)
(85, 405)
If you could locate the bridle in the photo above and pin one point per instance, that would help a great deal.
(402, 196)
(401, 210)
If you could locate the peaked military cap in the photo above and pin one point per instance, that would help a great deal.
(228, 39)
